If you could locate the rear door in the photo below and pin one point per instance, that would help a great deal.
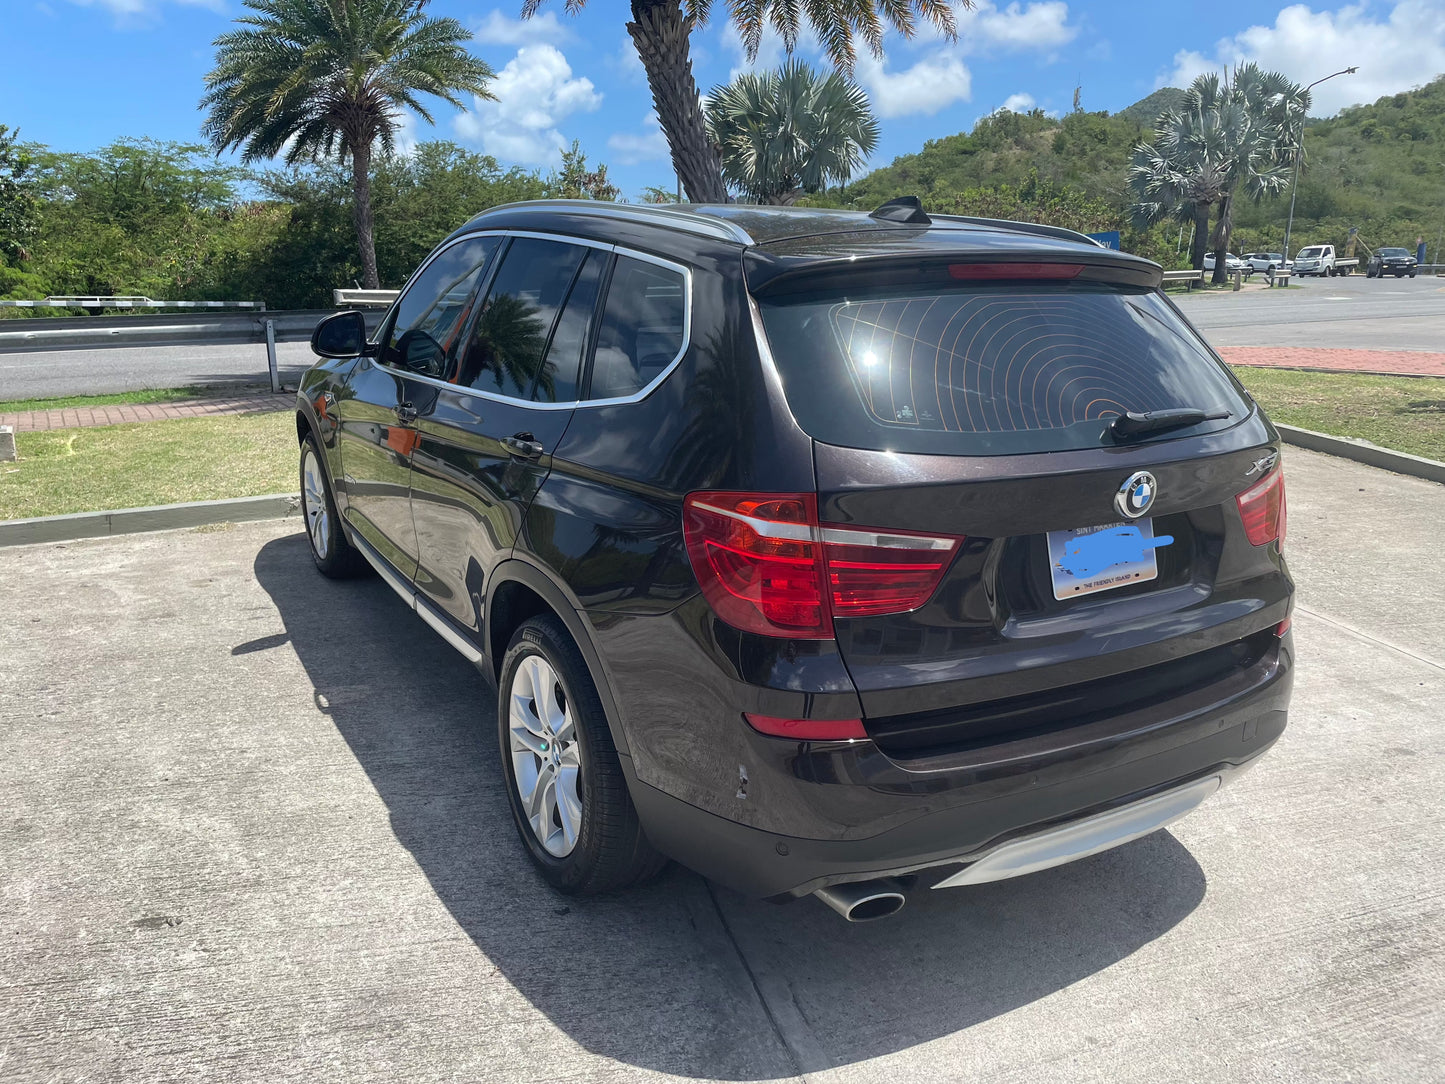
(384, 395)
(487, 434)
(975, 413)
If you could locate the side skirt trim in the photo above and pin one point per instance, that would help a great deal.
(409, 595)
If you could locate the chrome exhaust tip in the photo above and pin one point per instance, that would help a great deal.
(863, 901)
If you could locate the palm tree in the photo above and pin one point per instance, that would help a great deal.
(661, 30)
(1224, 139)
(789, 131)
(328, 78)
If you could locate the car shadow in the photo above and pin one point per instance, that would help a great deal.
(652, 978)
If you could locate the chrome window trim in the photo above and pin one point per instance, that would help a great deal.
(644, 257)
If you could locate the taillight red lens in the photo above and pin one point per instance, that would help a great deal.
(1262, 509)
(807, 729)
(766, 565)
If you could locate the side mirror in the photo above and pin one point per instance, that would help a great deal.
(340, 336)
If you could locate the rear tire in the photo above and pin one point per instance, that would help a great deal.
(571, 806)
(335, 557)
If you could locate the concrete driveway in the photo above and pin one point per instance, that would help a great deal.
(253, 830)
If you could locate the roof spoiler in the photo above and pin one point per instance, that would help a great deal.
(907, 209)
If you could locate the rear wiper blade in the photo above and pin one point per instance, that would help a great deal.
(1131, 426)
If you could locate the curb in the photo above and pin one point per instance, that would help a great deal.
(163, 517)
(1362, 451)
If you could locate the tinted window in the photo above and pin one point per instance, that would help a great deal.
(642, 328)
(425, 335)
(557, 380)
(510, 337)
(990, 369)
(1394, 252)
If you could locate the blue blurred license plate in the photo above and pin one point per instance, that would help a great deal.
(1089, 559)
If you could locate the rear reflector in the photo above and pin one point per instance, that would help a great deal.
(1261, 507)
(765, 564)
(974, 271)
(1283, 626)
(807, 729)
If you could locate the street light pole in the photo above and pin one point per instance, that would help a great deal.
(1298, 147)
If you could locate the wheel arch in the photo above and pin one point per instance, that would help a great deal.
(518, 591)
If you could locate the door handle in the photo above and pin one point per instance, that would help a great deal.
(523, 446)
(404, 412)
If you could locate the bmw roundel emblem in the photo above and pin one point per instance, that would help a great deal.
(1136, 495)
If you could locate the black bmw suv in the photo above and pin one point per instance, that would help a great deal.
(823, 552)
(1391, 261)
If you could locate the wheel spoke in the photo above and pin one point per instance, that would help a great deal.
(569, 805)
(524, 737)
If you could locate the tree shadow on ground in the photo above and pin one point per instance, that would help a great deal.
(650, 977)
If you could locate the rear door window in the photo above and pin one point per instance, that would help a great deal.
(643, 330)
(989, 368)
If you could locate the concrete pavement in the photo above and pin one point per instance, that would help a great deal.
(254, 829)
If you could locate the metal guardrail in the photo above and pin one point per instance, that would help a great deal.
(352, 299)
(1189, 278)
(126, 301)
(178, 329)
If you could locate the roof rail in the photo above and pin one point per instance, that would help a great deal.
(1038, 229)
(660, 214)
(907, 209)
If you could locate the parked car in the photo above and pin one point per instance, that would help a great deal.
(820, 551)
(1321, 260)
(1232, 263)
(1268, 262)
(1391, 261)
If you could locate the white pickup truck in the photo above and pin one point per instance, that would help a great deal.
(1321, 260)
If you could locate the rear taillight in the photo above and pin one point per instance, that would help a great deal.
(766, 565)
(1262, 509)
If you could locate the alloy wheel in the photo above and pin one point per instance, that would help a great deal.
(546, 759)
(313, 502)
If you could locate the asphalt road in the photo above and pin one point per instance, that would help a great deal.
(104, 370)
(1353, 312)
(253, 830)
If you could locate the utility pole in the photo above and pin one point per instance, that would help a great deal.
(1299, 144)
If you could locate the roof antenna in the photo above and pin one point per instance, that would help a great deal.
(907, 209)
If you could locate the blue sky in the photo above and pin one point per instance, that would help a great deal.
(80, 73)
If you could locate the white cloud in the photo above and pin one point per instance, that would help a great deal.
(1395, 53)
(535, 92)
(1041, 26)
(1018, 103)
(541, 29)
(649, 145)
(933, 83)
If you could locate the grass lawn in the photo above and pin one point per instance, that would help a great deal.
(151, 395)
(127, 466)
(1403, 413)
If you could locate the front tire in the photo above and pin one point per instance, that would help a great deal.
(335, 557)
(567, 792)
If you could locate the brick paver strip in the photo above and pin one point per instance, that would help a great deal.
(123, 413)
(1390, 362)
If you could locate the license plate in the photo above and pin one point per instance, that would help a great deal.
(1089, 559)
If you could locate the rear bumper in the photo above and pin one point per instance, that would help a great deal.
(948, 815)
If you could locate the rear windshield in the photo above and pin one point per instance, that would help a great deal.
(989, 369)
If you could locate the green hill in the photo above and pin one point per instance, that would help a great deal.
(1378, 167)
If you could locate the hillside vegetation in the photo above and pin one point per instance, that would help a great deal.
(1378, 167)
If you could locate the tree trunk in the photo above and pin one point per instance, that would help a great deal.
(1200, 245)
(661, 33)
(361, 211)
(1222, 229)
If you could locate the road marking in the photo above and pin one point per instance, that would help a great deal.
(1338, 297)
